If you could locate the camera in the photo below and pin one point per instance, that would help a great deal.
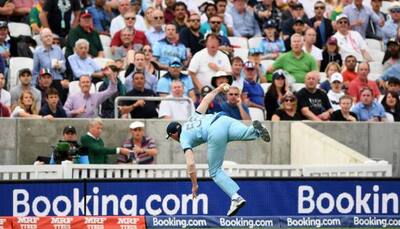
(67, 150)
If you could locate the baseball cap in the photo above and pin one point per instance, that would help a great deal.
(298, 20)
(3, 24)
(136, 2)
(24, 70)
(342, 16)
(136, 124)
(220, 74)
(69, 129)
(298, 6)
(249, 65)
(255, 51)
(278, 74)
(270, 24)
(392, 41)
(44, 71)
(393, 80)
(336, 77)
(175, 63)
(85, 14)
(332, 41)
(172, 128)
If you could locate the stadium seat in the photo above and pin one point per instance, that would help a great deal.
(265, 86)
(107, 52)
(16, 64)
(105, 40)
(98, 85)
(374, 44)
(389, 117)
(37, 39)
(376, 67)
(374, 76)
(102, 61)
(377, 55)
(257, 114)
(121, 76)
(16, 29)
(297, 86)
(74, 87)
(254, 42)
(241, 52)
(239, 42)
(322, 77)
(267, 63)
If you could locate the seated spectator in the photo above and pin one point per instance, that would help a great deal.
(215, 22)
(393, 84)
(332, 68)
(139, 108)
(118, 22)
(362, 81)
(82, 64)
(390, 28)
(214, 25)
(298, 27)
(244, 22)
(237, 66)
(219, 78)
(349, 73)
(139, 65)
(336, 92)
(25, 79)
(44, 83)
(148, 18)
(367, 109)
(344, 113)
(84, 104)
(223, 13)
(233, 106)
(175, 73)
(120, 52)
(180, 15)
(392, 55)
(275, 92)
(330, 54)
(190, 36)
(203, 92)
(374, 28)
(5, 96)
(157, 31)
(253, 93)
(176, 109)
(310, 37)
(321, 24)
(288, 109)
(52, 106)
(391, 103)
(267, 10)
(7, 8)
(34, 19)
(151, 65)
(92, 141)
(297, 16)
(143, 149)
(101, 18)
(5, 44)
(255, 57)
(272, 44)
(296, 62)
(4, 111)
(26, 107)
(313, 103)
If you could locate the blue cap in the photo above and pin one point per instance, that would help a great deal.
(175, 63)
(255, 51)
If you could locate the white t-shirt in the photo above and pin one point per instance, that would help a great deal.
(5, 97)
(315, 52)
(334, 99)
(118, 23)
(352, 44)
(238, 83)
(199, 65)
(177, 110)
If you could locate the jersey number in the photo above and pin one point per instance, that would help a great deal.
(193, 122)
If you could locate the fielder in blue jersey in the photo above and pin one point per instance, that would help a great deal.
(216, 130)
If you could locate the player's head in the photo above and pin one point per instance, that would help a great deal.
(174, 130)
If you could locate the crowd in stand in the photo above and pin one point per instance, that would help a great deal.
(179, 51)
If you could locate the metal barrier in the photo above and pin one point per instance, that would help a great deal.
(148, 98)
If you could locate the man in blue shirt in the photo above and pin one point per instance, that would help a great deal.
(244, 22)
(233, 106)
(368, 109)
(216, 130)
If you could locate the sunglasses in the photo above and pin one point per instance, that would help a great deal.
(195, 20)
(147, 50)
(319, 8)
(343, 22)
(158, 18)
(289, 100)
(215, 22)
(233, 94)
(130, 18)
(395, 11)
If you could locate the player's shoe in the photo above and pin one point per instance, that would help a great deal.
(262, 130)
(236, 204)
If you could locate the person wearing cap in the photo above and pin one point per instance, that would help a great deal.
(362, 81)
(350, 42)
(175, 73)
(297, 15)
(233, 106)
(310, 37)
(321, 24)
(25, 79)
(359, 15)
(139, 65)
(287, 111)
(5, 44)
(389, 30)
(272, 44)
(276, 90)
(392, 56)
(332, 68)
(52, 105)
(59, 20)
(330, 53)
(368, 109)
(219, 78)
(190, 36)
(216, 130)
(255, 57)
(266, 10)
(176, 109)
(253, 93)
(143, 148)
(101, 18)
(85, 31)
(336, 92)
(157, 31)
(44, 82)
(244, 21)
(344, 113)
(299, 26)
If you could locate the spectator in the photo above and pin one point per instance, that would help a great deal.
(176, 109)
(52, 106)
(237, 66)
(219, 78)
(313, 102)
(362, 81)
(344, 113)
(244, 21)
(216, 60)
(136, 7)
(309, 40)
(321, 24)
(219, 27)
(174, 73)
(26, 107)
(120, 52)
(272, 44)
(57, 16)
(157, 32)
(190, 36)
(5, 96)
(25, 79)
(332, 68)
(101, 18)
(390, 28)
(288, 109)
(374, 29)
(203, 92)
(22, 10)
(297, 16)
(296, 62)
(4, 111)
(84, 104)
(233, 106)
(148, 18)
(253, 93)
(118, 23)
(6, 9)
(349, 73)
(5, 45)
(165, 50)
(393, 70)
(298, 27)
(34, 19)
(393, 84)
(392, 55)
(180, 15)
(255, 57)
(391, 103)
(330, 53)
(169, 11)
(82, 64)
(336, 92)
(143, 149)
(44, 83)
(85, 31)
(139, 108)
(150, 65)
(367, 109)
(267, 10)
(358, 16)
(350, 42)
(215, 22)
(210, 9)
(95, 145)
(275, 93)
(138, 65)
(338, 10)
(227, 18)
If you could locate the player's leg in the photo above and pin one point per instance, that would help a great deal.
(240, 132)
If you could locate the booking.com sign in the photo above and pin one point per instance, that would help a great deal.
(265, 197)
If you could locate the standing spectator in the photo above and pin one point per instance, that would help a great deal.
(101, 18)
(26, 107)
(5, 96)
(336, 92)
(288, 109)
(374, 29)
(34, 19)
(5, 45)
(57, 15)
(22, 10)
(390, 28)
(143, 148)
(190, 36)
(349, 73)
(361, 82)
(313, 102)
(6, 9)
(180, 16)
(95, 145)
(330, 54)
(233, 106)
(267, 10)
(84, 104)
(227, 18)
(272, 44)
(332, 68)
(139, 65)
(216, 60)
(157, 32)
(275, 93)
(391, 103)
(237, 66)
(321, 24)
(25, 79)
(85, 31)
(253, 93)
(52, 106)
(309, 40)
(392, 55)
(368, 109)
(344, 113)
(176, 110)
(244, 21)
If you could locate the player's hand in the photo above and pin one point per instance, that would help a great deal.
(195, 189)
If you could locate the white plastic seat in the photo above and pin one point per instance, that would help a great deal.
(105, 40)
(242, 53)
(297, 86)
(374, 44)
(240, 42)
(16, 64)
(265, 86)
(254, 42)
(121, 76)
(377, 55)
(102, 61)
(107, 52)
(74, 87)
(267, 63)
(257, 114)
(376, 67)
(98, 85)
(322, 77)
(16, 29)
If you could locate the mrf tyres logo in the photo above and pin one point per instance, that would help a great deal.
(96, 203)
(362, 202)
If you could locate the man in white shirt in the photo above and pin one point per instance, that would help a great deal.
(310, 37)
(118, 22)
(176, 109)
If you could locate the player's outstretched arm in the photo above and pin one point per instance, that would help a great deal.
(203, 106)
(191, 169)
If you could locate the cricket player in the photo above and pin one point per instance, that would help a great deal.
(216, 130)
